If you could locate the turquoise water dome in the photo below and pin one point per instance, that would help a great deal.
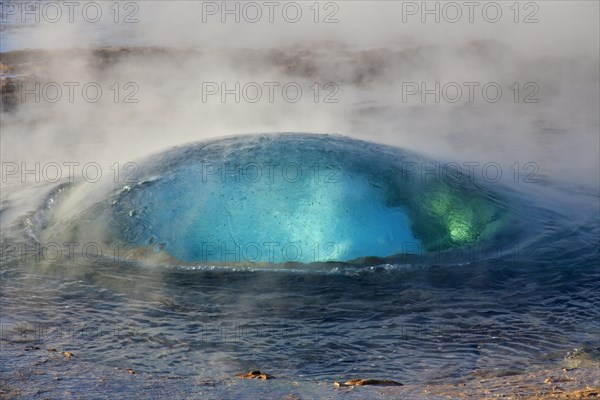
(297, 198)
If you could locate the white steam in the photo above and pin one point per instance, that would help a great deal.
(371, 54)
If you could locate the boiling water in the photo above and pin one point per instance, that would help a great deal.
(512, 289)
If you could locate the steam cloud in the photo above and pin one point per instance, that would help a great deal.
(371, 57)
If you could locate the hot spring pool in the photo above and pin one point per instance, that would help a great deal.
(313, 258)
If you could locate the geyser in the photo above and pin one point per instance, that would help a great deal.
(291, 198)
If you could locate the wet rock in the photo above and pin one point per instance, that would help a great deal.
(255, 374)
(8, 85)
(9, 93)
(367, 382)
(579, 357)
(592, 393)
(553, 379)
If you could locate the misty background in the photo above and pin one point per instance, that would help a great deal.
(167, 53)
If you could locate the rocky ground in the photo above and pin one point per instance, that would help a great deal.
(380, 68)
(30, 370)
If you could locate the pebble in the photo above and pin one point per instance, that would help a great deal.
(367, 382)
(256, 374)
